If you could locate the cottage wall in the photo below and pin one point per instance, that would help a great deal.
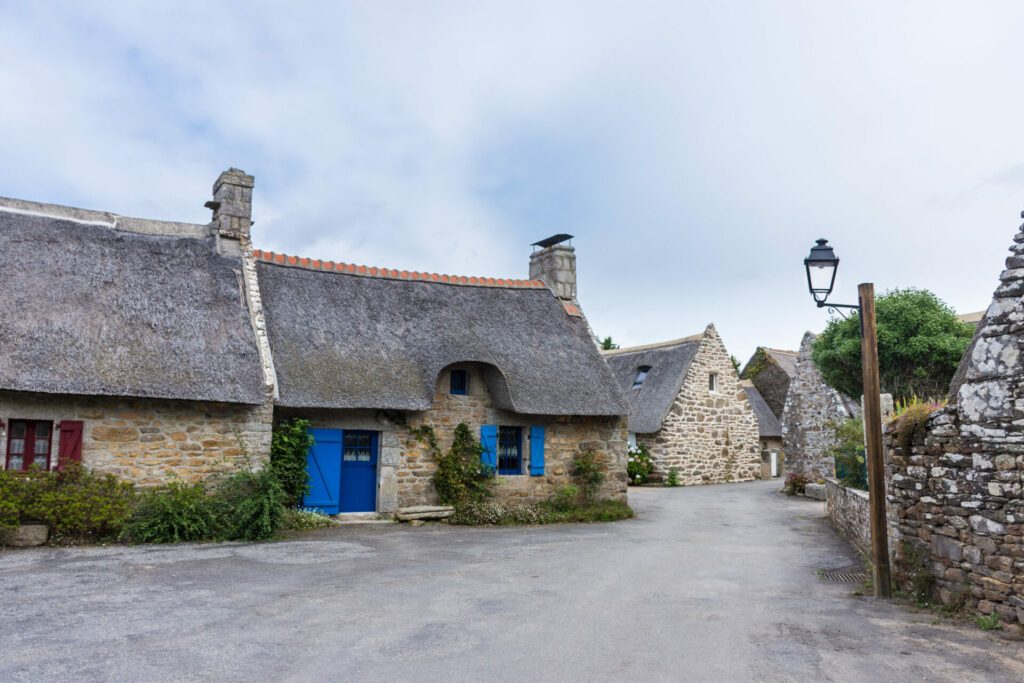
(708, 437)
(149, 441)
(406, 465)
(812, 408)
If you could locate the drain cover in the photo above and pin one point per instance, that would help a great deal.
(842, 576)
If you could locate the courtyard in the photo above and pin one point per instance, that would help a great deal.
(707, 583)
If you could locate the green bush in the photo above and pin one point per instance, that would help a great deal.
(639, 466)
(598, 511)
(460, 477)
(565, 498)
(673, 477)
(587, 470)
(289, 445)
(796, 484)
(172, 513)
(249, 506)
(848, 452)
(75, 503)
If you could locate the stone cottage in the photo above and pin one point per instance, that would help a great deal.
(144, 348)
(956, 493)
(771, 371)
(371, 355)
(769, 430)
(808, 419)
(689, 409)
(130, 345)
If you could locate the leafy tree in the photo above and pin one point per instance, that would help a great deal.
(920, 343)
(607, 344)
(736, 365)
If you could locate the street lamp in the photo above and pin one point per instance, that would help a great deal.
(821, 266)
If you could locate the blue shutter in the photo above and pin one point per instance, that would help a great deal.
(489, 440)
(537, 450)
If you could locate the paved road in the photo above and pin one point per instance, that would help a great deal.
(708, 584)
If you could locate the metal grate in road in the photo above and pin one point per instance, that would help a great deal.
(842, 576)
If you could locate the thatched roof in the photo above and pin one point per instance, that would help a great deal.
(651, 401)
(352, 338)
(784, 359)
(768, 425)
(91, 309)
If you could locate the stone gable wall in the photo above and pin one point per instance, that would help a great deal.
(149, 441)
(810, 410)
(407, 465)
(708, 437)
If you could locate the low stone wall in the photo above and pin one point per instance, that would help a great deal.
(849, 513)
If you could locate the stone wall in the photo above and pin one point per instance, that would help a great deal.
(849, 513)
(406, 465)
(810, 410)
(709, 437)
(149, 441)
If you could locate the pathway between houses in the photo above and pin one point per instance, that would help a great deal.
(713, 583)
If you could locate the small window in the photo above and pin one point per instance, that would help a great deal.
(357, 446)
(460, 382)
(28, 445)
(510, 450)
(713, 382)
(641, 375)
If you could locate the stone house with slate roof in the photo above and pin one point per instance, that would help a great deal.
(689, 408)
(154, 350)
(771, 371)
(769, 430)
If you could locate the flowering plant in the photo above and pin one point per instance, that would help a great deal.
(639, 465)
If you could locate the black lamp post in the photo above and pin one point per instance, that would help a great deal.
(821, 266)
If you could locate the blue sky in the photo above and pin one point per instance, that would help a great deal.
(695, 150)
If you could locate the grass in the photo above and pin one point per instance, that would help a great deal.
(599, 511)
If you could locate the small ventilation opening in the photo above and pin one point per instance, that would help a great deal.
(641, 375)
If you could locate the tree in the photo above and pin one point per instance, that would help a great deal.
(736, 365)
(607, 344)
(920, 343)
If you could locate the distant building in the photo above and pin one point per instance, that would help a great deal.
(771, 371)
(769, 429)
(689, 409)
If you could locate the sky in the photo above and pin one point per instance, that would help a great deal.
(694, 149)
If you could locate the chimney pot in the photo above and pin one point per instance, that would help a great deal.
(556, 266)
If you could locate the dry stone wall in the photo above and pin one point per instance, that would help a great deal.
(708, 437)
(812, 408)
(849, 513)
(149, 441)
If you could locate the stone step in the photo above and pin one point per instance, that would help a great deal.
(424, 512)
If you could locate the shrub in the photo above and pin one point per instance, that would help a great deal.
(174, 513)
(460, 477)
(796, 484)
(848, 452)
(304, 519)
(493, 514)
(75, 504)
(910, 420)
(673, 477)
(249, 506)
(289, 446)
(565, 498)
(587, 470)
(639, 466)
(600, 511)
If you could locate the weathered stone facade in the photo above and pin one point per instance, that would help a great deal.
(709, 437)
(850, 514)
(955, 491)
(149, 441)
(406, 465)
(812, 408)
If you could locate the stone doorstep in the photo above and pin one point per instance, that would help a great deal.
(424, 512)
(815, 491)
(346, 518)
(26, 536)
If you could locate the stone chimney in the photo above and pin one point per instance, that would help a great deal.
(232, 204)
(554, 262)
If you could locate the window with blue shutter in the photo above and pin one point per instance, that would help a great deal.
(510, 450)
(536, 450)
(489, 441)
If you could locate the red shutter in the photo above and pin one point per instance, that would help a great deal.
(70, 443)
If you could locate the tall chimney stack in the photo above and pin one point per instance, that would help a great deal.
(232, 204)
(554, 262)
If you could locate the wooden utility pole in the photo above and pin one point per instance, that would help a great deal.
(873, 442)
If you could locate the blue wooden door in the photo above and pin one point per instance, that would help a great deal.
(323, 465)
(359, 471)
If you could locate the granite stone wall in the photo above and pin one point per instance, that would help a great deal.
(956, 482)
(709, 437)
(849, 513)
(811, 410)
(150, 441)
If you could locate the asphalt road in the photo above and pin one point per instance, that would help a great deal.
(708, 584)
